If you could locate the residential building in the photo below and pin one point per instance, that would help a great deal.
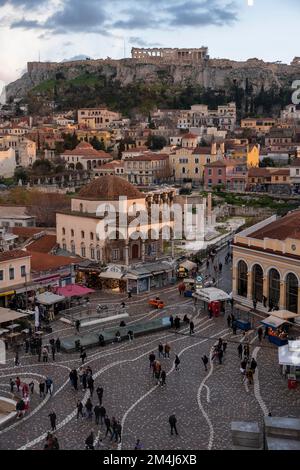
(15, 269)
(270, 180)
(25, 149)
(291, 113)
(150, 168)
(260, 125)
(84, 156)
(115, 167)
(97, 118)
(224, 118)
(266, 262)
(7, 163)
(15, 216)
(249, 153)
(231, 174)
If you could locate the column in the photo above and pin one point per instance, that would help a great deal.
(172, 248)
(234, 284)
(282, 295)
(127, 253)
(298, 311)
(265, 287)
(249, 286)
(143, 250)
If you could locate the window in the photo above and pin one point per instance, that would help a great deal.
(115, 254)
(292, 293)
(83, 251)
(196, 160)
(92, 250)
(11, 273)
(23, 271)
(219, 181)
(183, 170)
(258, 280)
(242, 280)
(91, 236)
(98, 254)
(72, 233)
(1, 275)
(72, 247)
(297, 171)
(196, 171)
(209, 172)
(274, 287)
(82, 234)
(219, 172)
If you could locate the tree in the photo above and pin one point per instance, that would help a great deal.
(97, 144)
(21, 174)
(79, 166)
(267, 162)
(121, 148)
(41, 167)
(156, 142)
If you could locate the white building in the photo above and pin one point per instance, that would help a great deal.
(7, 163)
(97, 118)
(290, 112)
(224, 118)
(25, 149)
(15, 216)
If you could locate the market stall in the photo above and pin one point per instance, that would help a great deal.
(243, 317)
(52, 302)
(277, 330)
(289, 360)
(186, 268)
(212, 300)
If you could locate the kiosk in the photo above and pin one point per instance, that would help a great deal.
(277, 330)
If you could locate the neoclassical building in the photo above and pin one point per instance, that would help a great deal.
(80, 230)
(266, 262)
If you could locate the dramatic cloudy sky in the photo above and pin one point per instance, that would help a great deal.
(60, 29)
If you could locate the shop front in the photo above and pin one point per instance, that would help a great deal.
(113, 279)
(88, 273)
(212, 300)
(6, 297)
(136, 284)
(277, 330)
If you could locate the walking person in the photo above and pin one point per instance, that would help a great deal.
(99, 392)
(167, 350)
(17, 361)
(79, 409)
(119, 431)
(163, 376)
(172, 422)
(49, 385)
(254, 304)
(31, 387)
(77, 326)
(42, 389)
(224, 346)
(108, 426)
(89, 408)
(18, 383)
(53, 350)
(57, 344)
(205, 361)
(171, 321)
(97, 414)
(83, 355)
(160, 350)
(102, 414)
(45, 354)
(177, 362)
(253, 365)
(90, 384)
(192, 326)
(151, 359)
(260, 333)
(89, 442)
(220, 355)
(52, 417)
(12, 385)
(240, 350)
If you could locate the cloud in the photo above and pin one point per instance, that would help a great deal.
(26, 24)
(140, 42)
(23, 3)
(77, 15)
(204, 13)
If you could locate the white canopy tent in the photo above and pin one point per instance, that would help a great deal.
(289, 355)
(188, 265)
(48, 298)
(273, 322)
(211, 294)
(7, 315)
(285, 314)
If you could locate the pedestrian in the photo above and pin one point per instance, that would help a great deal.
(234, 327)
(77, 326)
(90, 384)
(249, 376)
(45, 354)
(253, 365)
(31, 387)
(108, 426)
(157, 370)
(83, 356)
(57, 344)
(229, 321)
(171, 321)
(119, 431)
(97, 414)
(84, 380)
(102, 413)
(89, 408)
(42, 389)
(138, 445)
(220, 356)
(53, 350)
(240, 350)
(167, 350)
(224, 345)
(151, 359)
(12, 385)
(243, 367)
(89, 442)
(114, 434)
(55, 444)
(25, 389)
(192, 326)
(79, 409)
(173, 421)
(265, 301)
(52, 417)
(49, 385)
(254, 304)
(177, 362)
(160, 350)
(99, 392)
(163, 376)
(20, 408)
(205, 361)
(17, 361)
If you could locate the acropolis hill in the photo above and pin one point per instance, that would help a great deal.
(180, 67)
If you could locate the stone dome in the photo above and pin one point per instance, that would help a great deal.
(109, 188)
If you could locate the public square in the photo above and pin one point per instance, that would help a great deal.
(204, 403)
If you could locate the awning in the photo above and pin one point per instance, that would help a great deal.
(73, 290)
(7, 315)
(287, 357)
(211, 294)
(111, 275)
(273, 322)
(48, 298)
(284, 314)
(188, 265)
(157, 272)
(9, 292)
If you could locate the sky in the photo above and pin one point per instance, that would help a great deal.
(54, 30)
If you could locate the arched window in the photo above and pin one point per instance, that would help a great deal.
(81, 207)
(92, 252)
(82, 234)
(73, 247)
(83, 251)
(91, 236)
(242, 279)
(258, 282)
(63, 231)
(98, 253)
(292, 293)
(72, 233)
(274, 287)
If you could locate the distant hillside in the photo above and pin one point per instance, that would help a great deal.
(129, 85)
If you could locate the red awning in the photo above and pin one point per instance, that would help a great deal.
(73, 290)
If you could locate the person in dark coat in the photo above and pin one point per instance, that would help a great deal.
(52, 417)
(163, 376)
(177, 362)
(97, 413)
(77, 326)
(102, 413)
(171, 321)
(205, 361)
(79, 409)
(160, 350)
(99, 392)
(240, 350)
(89, 442)
(83, 356)
(253, 364)
(57, 344)
(90, 384)
(220, 356)
(172, 422)
(260, 333)
(192, 326)
(177, 322)
(84, 380)
(108, 426)
(89, 408)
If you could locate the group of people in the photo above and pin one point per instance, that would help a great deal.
(155, 365)
(219, 350)
(45, 387)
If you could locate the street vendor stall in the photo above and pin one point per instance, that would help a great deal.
(277, 330)
(212, 299)
(243, 320)
(51, 302)
(289, 360)
(186, 268)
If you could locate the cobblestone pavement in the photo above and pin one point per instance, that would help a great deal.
(204, 403)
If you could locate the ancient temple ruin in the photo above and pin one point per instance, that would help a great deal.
(170, 55)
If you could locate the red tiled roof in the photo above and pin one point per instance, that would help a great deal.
(43, 245)
(189, 135)
(85, 149)
(148, 157)
(26, 232)
(202, 151)
(217, 163)
(44, 261)
(283, 228)
(13, 254)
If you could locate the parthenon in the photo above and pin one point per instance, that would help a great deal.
(171, 55)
